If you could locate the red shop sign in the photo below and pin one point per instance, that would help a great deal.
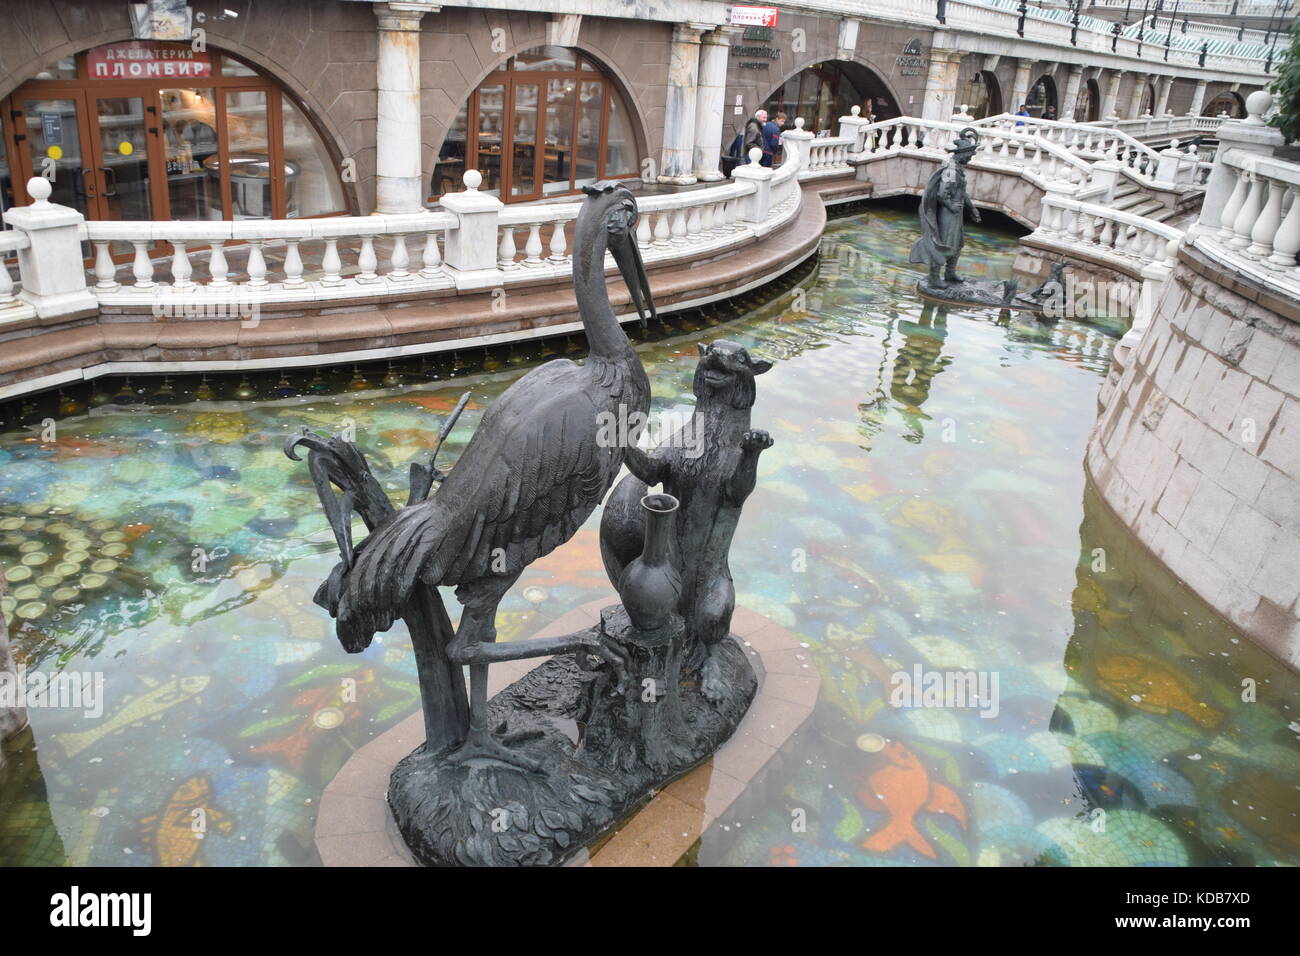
(145, 60)
(753, 16)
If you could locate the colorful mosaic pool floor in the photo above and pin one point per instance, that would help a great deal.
(924, 504)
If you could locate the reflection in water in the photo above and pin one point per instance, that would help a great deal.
(927, 466)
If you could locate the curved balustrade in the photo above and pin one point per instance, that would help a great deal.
(361, 257)
(1128, 240)
(1257, 232)
(1034, 156)
(1094, 143)
(350, 264)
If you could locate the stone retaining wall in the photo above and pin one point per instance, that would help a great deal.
(1198, 448)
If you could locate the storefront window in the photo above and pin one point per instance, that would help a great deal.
(620, 147)
(189, 131)
(567, 127)
(143, 130)
(315, 190)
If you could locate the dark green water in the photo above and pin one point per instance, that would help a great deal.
(924, 504)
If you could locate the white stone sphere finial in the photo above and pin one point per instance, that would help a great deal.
(855, 110)
(1257, 104)
(39, 188)
(798, 123)
(755, 156)
(472, 180)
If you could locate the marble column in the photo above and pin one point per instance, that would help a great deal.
(1141, 80)
(399, 179)
(1111, 95)
(1162, 96)
(1070, 104)
(1020, 86)
(1198, 99)
(941, 85)
(677, 160)
(715, 47)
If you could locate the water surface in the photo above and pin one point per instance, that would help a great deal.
(924, 504)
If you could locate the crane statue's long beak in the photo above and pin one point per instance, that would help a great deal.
(624, 249)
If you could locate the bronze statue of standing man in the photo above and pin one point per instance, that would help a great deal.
(943, 211)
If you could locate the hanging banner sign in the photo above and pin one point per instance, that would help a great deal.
(140, 59)
(753, 16)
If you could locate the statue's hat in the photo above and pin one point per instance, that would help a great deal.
(967, 141)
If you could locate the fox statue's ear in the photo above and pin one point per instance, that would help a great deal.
(759, 366)
(704, 349)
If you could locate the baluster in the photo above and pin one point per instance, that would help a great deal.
(679, 227)
(1233, 205)
(256, 263)
(644, 233)
(432, 259)
(293, 265)
(181, 268)
(693, 224)
(558, 242)
(1089, 228)
(218, 269)
(1249, 214)
(331, 264)
(142, 265)
(706, 220)
(7, 283)
(733, 214)
(1287, 243)
(533, 246)
(1020, 151)
(1107, 233)
(105, 271)
(506, 251)
(1265, 231)
(367, 262)
(399, 259)
(663, 233)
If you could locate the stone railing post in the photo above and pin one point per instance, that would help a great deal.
(1105, 173)
(52, 270)
(1250, 135)
(794, 144)
(471, 248)
(1172, 167)
(855, 126)
(755, 207)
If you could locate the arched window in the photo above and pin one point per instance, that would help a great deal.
(546, 122)
(1088, 108)
(824, 92)
(1226, 102)
(151, 130)
(983, 97)
(1042, 98)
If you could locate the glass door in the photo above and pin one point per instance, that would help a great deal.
(122, 167)
(53, 131)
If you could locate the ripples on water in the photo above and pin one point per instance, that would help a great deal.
(924, 504)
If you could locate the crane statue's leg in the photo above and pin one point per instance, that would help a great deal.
(478, 628)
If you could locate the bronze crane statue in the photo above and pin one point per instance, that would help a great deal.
(532, 473)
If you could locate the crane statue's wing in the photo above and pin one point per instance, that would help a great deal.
(530, 476)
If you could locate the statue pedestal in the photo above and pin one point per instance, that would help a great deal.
(603, 748)
(356, 828)
(984, 294)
